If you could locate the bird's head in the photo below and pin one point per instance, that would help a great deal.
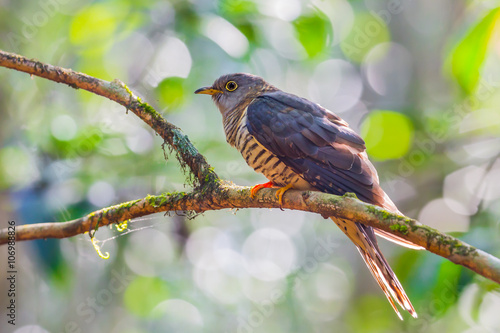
(231, 90)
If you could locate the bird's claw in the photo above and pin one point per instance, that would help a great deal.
(257, 187)
(280, 192)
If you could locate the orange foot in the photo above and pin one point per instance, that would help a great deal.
(257, 187)
(280, 192)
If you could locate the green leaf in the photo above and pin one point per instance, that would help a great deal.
(388, 134)
(171, 92)
(312, 32)
(144, 294)
(469, 54)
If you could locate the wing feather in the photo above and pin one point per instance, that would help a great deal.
(319, 146)
(316, 143)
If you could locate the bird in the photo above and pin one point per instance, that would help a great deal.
(298, 144)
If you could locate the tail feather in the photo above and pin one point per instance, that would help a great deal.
(397, 240)
(364, 239)
(382, 283)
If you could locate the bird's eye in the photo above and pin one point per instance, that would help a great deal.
(231, 86)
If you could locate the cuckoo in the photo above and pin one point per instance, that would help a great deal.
(298, 144)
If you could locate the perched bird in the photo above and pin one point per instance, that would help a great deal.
(298, 144)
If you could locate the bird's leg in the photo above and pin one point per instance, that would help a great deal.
(280, 192)
(257, 187)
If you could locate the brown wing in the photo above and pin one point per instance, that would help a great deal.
(317, 144)
(320, 147)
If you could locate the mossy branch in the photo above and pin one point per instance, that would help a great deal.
(227, 195)
(214, 194)
(117, 91)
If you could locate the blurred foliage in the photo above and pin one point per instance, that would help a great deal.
(419, 81)
(144, 294)
(388, 134)
(171, 92)
(312, 32)
(13, 176)
(368, 31)
(468, 57)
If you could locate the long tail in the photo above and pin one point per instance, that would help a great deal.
(364, 238)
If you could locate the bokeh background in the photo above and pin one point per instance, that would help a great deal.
(418, 79)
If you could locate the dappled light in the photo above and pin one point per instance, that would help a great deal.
(418, 80)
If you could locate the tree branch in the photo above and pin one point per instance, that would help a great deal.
(227, 195)
(213, 194)
(117, 91)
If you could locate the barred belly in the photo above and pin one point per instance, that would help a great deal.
(263, 161)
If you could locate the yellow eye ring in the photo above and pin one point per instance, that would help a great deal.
(231, 86)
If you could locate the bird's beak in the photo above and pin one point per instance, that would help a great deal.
(208, 91)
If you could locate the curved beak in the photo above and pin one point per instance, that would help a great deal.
(208, 91)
